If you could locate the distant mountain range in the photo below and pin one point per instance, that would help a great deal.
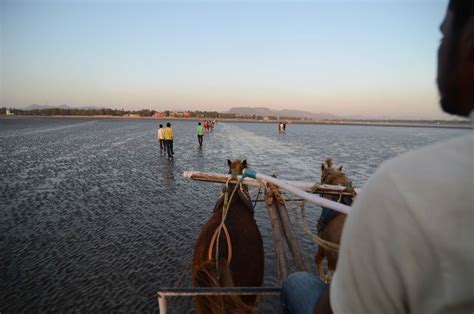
(263, 111)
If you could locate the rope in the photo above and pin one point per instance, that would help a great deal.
(217, 233)
(185, 270)
(315, 188)
(304, 226)
(229, 244)
(258, 194)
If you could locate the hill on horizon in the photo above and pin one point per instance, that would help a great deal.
(264, 111)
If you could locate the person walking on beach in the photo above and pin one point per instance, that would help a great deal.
(200, 133)
(161, 138)
(168, 138)
(280, 127)
(406, 245)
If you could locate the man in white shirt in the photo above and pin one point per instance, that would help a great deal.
(407, 246)
(161, 138)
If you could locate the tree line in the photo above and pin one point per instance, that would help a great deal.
(100, 112)
(142, 113)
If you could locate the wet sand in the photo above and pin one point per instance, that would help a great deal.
(96, 219)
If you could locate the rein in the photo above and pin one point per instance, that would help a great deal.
(229, 244)
(217, 233)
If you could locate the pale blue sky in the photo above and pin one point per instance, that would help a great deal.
(342, 57)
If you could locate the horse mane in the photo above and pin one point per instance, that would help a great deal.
(211, 275)
(329, 162)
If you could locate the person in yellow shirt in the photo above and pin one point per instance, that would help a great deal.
(168, 138)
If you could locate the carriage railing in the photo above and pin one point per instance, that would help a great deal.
(191, 292)
(306, 186)
(251, 177)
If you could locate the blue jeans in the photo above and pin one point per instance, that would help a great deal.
(300, 292)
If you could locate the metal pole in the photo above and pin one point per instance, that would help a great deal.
(218, 291)
(187, 292)
(162, 303)
(307, 196)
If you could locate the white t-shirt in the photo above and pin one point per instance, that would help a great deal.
(160, 134)
(408, 244)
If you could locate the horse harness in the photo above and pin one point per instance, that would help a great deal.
(328, 214)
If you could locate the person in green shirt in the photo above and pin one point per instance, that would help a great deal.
(200, 133)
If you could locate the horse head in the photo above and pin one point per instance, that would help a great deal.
(331, 175)
(236, 166)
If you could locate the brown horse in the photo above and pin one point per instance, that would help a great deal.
(330, 223)
(229, 251)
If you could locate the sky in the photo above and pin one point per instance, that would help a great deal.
(352, 57)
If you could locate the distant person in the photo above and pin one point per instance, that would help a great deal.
(206, 126)
(168, 137)
(200, 133)
(407, 244)
(161, 138)
(284, 126)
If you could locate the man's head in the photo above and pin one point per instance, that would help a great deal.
(456, 59)
(168, 124)
(199, 123)
(161, 125)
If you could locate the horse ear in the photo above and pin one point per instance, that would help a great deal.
(229, 162)
(322, 167)
(244, 163)
(340, 168)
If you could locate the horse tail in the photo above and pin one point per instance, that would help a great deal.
(211, 275)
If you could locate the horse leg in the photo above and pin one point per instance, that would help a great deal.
(332, 261)
(319, 261)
